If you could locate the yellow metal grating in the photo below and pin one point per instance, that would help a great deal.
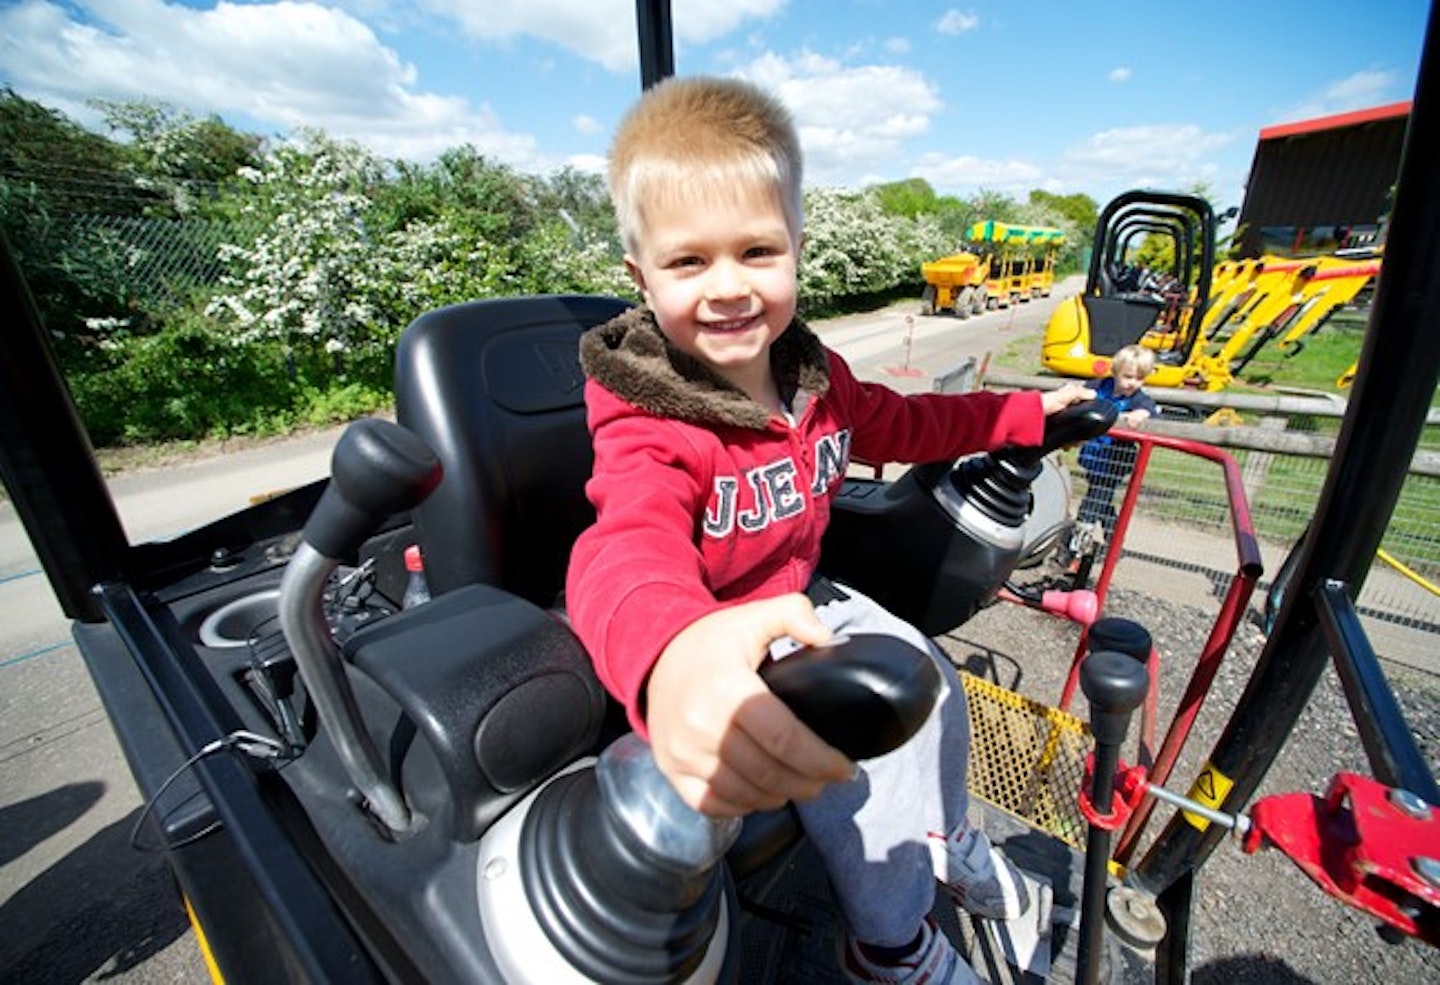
(1027, 758)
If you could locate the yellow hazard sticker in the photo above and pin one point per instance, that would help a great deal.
(1209, 790)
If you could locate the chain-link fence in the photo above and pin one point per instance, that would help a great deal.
(164, 259)
(1180, 542)
(1180, 537)
(142, 234)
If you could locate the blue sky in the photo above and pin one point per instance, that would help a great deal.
(1055, 94)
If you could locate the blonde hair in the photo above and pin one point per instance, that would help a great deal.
(703, 137)
(1138, 359)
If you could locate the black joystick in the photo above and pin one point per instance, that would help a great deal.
(378, 468)
(621, 874)
(1115, 683)
(998, 484)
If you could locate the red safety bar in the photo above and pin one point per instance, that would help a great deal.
(1232, 611)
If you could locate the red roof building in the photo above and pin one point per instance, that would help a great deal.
(1323, 184)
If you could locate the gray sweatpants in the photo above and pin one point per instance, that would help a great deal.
(871, 832)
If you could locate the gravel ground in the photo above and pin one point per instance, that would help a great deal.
(1258, 918)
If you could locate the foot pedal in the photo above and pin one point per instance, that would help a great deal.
(1018, 952)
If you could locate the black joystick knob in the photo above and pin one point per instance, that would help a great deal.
(1078, 422)
(1115, 683)
(621, 873)
(998, 484)
(1120, 635)
(864, 694)
(378, 468)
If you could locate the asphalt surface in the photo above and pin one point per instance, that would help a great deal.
(78, 903)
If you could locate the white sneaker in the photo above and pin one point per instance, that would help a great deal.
(978, 876)
(935, 962)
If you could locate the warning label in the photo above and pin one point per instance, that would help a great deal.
(1209, 790)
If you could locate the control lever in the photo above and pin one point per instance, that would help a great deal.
(1116, 684)
(378, 468)
(864, 694)
(620, 873)
(1076, 423)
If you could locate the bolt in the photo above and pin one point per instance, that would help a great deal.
(1410, 803)
(1428, 868)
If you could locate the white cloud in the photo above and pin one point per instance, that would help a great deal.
(896, 46)
(852, 119)
(1120, 74)
(287, 64)
(590, 163)
(601, 31)
(957, 21)
(1173, 156)
(585, 124)
(1359, 91)
(965, 175)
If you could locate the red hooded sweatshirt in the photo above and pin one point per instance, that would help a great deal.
(705, 499)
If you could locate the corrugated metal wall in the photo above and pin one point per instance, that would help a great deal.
(1323, 178)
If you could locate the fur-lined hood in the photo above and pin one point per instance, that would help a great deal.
(630, 357)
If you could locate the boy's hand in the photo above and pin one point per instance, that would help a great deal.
(726, 743)
(1058, 399)
(1133, 418)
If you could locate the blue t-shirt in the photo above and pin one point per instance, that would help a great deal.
(1093, 453)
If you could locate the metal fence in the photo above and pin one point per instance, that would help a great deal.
(1179, 541)
(1181, 530)
(164, 259)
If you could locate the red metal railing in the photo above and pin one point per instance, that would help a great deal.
(1248, 569)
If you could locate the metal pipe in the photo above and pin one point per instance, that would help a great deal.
(302, 619)
(1115, 683)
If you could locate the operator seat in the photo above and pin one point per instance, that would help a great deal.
(495, 388)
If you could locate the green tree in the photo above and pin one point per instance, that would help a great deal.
(1074, 215)
(1078, 210)
(74, 169)
(580, 200)
(482, 199)
(907, 198)
(51, 170)
(990, 204)
(172, 146)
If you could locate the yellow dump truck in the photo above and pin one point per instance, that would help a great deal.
(1006, 263)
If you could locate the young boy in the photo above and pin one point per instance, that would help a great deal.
(722, 429)
(1106, 461)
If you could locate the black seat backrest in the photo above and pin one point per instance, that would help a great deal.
(495, 387)
(1117, 322)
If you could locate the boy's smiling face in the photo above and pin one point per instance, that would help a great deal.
(719, 273)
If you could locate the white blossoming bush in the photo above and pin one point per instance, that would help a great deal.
(853, 247)
(321, 277)
(555, 259)
(309, 278)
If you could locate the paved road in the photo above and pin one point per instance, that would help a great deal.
(77, 903)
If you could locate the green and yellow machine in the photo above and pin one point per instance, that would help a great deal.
(1008, 263)
(1128, 301)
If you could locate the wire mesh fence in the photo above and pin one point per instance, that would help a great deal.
(1180, 537)
(165, 259)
